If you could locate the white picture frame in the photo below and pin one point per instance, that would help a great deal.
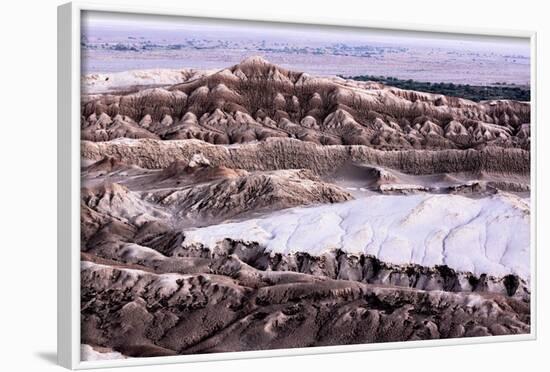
(69, 78)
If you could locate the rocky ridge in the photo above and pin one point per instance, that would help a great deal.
(255, 100)
(283, 153)
(142, 314)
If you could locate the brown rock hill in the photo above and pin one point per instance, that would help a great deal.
(143, 314)
(255, 100)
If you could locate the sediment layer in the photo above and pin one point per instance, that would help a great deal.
(291, 154)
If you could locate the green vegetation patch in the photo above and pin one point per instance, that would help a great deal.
(472, 92)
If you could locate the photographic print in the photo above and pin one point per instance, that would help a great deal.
(250, 186)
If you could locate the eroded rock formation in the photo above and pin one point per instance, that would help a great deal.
(255, 100)
(259, 208)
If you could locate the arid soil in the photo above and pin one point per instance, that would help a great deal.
(259, 208)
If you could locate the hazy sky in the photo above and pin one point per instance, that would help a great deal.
(207, 43)
(96, 23)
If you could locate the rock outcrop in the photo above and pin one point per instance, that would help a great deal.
(255, 100)
(143, 314)
(282, 153)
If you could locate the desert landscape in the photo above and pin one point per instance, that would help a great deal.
(257, 207)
